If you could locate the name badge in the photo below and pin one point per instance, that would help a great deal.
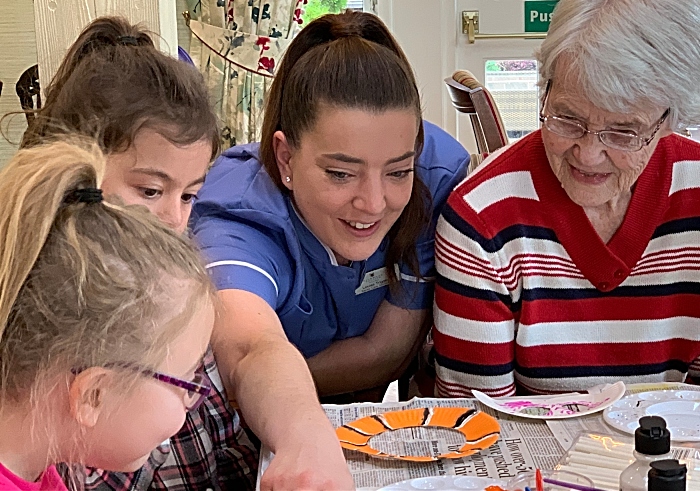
(373, 280)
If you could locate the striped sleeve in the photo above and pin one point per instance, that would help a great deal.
(474, 320)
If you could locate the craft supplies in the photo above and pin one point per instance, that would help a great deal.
(479, 429)
(680, 409)
(538, 480)
(558, 406)
(603, 458)
(570, 485)
(448, 483)
(652, 441)
(550, 480)
(667, 475)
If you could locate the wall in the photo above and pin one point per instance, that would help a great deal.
(427, 32)
(17, 53)
(59, 24)
(430, 31)
(18, 43)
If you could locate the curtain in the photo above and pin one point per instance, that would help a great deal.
(237, 44)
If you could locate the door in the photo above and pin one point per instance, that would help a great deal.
(431, 35)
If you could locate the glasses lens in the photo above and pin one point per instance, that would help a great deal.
(194, 399)
(564, 127)
(621, 141)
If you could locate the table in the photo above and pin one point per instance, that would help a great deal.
(524, 443)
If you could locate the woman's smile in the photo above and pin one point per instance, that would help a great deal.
(591, 178)
(362, 229)
(351, 177)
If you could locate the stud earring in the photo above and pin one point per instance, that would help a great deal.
(288, 179)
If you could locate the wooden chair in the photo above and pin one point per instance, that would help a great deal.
(470, 97)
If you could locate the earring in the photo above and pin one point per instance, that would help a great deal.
(288, 179)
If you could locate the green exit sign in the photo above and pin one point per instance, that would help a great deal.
(538, 14)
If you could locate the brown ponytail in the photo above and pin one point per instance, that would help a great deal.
(113, 82)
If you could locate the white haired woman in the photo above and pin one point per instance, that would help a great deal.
(572, 257)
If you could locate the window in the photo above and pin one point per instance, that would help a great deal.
(316, 8)
(513, 85)
(355, 5)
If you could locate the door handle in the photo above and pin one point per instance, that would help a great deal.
(470, 27)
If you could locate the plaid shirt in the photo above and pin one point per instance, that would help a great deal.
(210, 452)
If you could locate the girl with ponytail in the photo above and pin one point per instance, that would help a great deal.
(151, 115)
(149, 112)
(105, 315)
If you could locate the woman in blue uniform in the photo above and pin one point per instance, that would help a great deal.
(323, 232)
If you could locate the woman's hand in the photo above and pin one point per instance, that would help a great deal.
(314, 462)
(270, 381)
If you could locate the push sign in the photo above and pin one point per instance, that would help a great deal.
(538, 14)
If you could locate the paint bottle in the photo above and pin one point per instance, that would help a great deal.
(667, 475)
(652, 442)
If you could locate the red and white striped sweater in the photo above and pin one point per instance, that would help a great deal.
(529, 296)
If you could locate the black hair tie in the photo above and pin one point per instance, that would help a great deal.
(85, 195)
(128, 40)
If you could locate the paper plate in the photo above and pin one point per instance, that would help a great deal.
(555, 407)
(680, 409)
(480, 430)
(448, 483)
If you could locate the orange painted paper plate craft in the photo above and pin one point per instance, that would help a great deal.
(479, 429)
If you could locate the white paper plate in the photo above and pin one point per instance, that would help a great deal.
(555, 407)
(445, 483)
(680, 409)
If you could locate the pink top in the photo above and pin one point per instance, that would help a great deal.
(50, 481)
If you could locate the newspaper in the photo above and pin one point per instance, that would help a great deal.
(566, 430)
(523, 445)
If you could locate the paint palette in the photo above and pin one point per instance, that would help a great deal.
(558, 406)
(448, 483)
(680, 409)
(478, 428)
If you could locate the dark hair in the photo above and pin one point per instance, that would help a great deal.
(347, 60)
(114, 82)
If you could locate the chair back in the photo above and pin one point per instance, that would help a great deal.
(27, 87)
(470, 97)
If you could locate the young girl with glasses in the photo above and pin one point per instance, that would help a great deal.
(105, 315)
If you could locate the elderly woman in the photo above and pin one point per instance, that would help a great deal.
(572, 257)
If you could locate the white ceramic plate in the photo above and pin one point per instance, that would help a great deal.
(555, 407)
(445, 483)
(680, 409)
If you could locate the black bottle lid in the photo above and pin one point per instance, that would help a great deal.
(652, 437)
(667, 475)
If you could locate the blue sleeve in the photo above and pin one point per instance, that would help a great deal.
(442, 165)
(243, 256)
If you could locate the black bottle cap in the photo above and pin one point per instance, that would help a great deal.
(652, 437)
(667, 475)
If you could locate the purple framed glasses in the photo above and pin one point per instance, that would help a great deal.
(195, 391)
